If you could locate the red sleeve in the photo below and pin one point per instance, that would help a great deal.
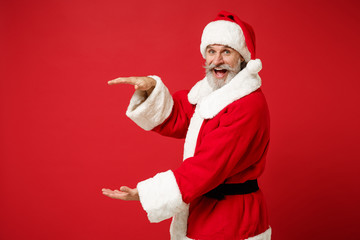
(177, 123)
(238, 142)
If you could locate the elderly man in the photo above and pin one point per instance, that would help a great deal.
(224, 119)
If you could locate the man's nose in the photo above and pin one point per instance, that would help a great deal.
(218, 59)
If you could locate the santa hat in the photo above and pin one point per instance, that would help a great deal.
(227, 29)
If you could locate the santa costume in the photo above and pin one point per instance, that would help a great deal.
(226, 133)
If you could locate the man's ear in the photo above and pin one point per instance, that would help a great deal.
(242, 59)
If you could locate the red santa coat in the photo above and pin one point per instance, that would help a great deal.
(227, 137)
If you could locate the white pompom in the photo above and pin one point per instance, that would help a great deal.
(254, 66)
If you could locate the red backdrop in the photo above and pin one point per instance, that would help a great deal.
(64, 134)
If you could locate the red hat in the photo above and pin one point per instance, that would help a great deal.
(227, 29)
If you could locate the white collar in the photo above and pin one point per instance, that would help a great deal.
(212, 102)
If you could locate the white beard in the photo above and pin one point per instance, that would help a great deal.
(218, 83)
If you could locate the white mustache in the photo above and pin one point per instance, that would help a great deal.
(222, 66)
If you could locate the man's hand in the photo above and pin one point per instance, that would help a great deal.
(125, 193)
(140, 83)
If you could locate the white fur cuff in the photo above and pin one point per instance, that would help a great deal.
(149, 112)
(160, 196)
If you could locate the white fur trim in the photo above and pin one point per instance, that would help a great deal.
(244, 83)
(192, 134)
(149, 112)
(199, 90)
(160, 196)
(178, 227)
(262, 236)
(225, 33)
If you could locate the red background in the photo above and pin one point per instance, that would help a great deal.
(64, 134)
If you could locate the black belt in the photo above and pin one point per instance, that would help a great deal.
(220, 191)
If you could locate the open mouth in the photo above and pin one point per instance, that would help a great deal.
(219, 72)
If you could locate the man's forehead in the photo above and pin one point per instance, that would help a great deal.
(218, 45)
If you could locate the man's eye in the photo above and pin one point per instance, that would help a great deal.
(211, 51)
(227, 52)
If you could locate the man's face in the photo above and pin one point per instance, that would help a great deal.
(222, 64)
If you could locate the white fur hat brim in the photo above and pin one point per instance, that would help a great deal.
(224, 33)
